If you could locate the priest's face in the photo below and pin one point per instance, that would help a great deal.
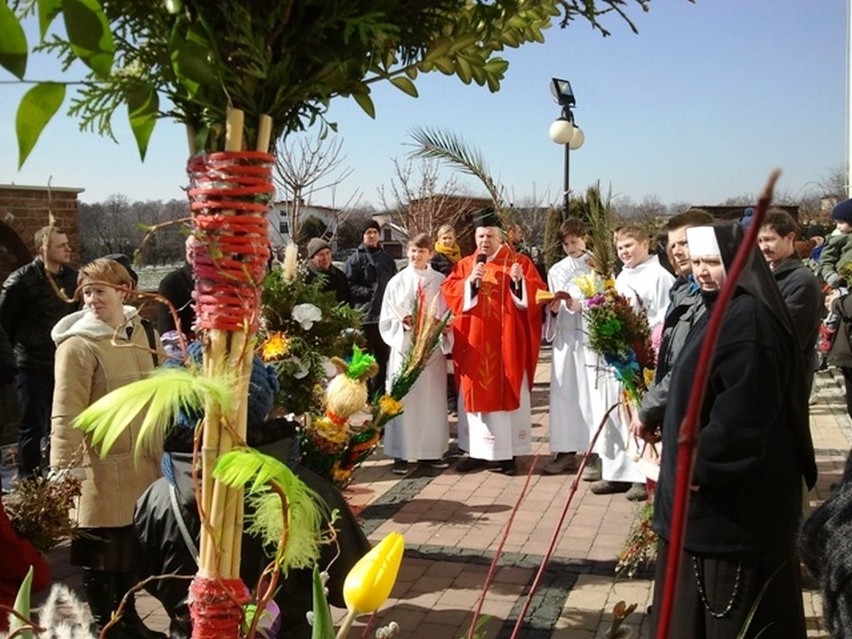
(487, 240)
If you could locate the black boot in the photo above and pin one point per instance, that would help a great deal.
(99, 587)
(130, 626)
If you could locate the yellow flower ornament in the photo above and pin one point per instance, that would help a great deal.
(369, 583)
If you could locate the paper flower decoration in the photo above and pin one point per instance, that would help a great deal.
(306, 315)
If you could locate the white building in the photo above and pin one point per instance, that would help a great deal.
(279, 220)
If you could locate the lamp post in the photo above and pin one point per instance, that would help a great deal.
(564, 131)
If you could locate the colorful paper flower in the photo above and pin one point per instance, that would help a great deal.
(306, 315)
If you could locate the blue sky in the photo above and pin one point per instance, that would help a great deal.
(698, 107)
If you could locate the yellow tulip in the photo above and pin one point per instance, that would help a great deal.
(369, 583)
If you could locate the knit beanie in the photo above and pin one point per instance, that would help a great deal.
(263, 385)
(122, 259)
(843, 212)
(370, 224)
(315, 245)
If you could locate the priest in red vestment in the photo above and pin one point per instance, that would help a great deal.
(497, 333)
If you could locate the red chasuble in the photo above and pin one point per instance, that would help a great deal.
(495, 342)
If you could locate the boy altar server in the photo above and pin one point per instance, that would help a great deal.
(644, 282)
(571, 419)
(422, 432)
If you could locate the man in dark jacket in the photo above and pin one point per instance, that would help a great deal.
(33, 299)
(318, 265)
(681, 314)
(177, 288)
(798, 285)
(368, 270)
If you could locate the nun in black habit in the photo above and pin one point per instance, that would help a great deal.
(753, 452)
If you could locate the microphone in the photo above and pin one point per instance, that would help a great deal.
(481, 258)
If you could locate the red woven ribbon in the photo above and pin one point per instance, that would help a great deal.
(229, 197)
(215, 606)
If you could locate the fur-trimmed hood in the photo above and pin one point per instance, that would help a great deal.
(85, 324)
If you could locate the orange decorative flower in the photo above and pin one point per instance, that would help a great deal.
(275, 347)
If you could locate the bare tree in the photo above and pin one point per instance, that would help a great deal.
(835, 183)
(418, 201)
(118, 226)
(531, 213)
(304, 166)
(650, 209)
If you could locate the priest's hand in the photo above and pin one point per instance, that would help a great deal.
(477, 273)
(516, 272)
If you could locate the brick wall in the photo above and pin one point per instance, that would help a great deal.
(24, 210)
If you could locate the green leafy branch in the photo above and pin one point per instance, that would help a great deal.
(286, 60)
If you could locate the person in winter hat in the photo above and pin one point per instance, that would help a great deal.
(369, 269)
(319, 266)
(837, 253)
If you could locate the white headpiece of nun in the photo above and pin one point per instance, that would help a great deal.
(702, 241)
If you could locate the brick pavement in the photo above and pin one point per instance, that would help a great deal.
(454, 524)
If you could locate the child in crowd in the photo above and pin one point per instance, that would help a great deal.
(571, 418)
(422, 432)
(838, 249)
(646, 284)
(836, 254)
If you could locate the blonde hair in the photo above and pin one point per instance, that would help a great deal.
(445, 228)
(105, 270)
(631, 230)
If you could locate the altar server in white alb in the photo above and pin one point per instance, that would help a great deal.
(646, 283)
(422, 432)
(571, 417)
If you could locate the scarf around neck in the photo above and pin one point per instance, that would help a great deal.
(452, 253)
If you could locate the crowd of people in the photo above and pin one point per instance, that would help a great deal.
(67, 338)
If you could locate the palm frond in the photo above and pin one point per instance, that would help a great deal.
(448, 147)
(597, 213)
(165, 393)
(300, 529)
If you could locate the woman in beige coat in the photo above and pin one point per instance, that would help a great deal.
(99, 349)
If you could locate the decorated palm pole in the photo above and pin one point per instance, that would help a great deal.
(229, 193)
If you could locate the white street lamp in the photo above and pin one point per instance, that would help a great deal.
(564, 131)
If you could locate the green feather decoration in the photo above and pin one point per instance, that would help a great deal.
(164, 393)
(360, 363)
(303, 534)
